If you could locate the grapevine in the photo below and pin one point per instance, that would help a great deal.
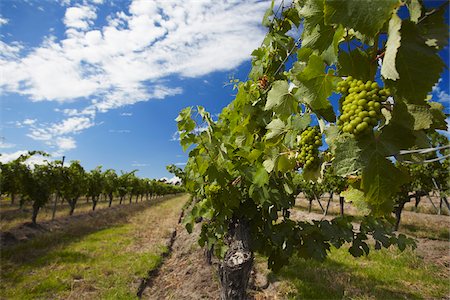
(253, 151)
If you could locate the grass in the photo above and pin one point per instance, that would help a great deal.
(99, 261)
(384, 274)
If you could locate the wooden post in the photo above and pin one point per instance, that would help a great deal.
(341, 204)
(328, 204)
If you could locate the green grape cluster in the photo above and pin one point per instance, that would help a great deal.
(310, 141)
(212, 189)
(361, 108)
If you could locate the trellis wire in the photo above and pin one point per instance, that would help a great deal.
(422, 151)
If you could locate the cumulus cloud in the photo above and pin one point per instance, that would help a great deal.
(34, 160)
(66, 143)
(440, 94)
(58, 135)
(137, 48)
(26, 122)
(79, 17)
(68, 126)
(3, 21)
(127, 57)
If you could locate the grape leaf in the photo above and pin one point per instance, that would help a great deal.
(434, 29)
(316, 35)
(438, 115)
(285, 164)
(185, 123)
(400, 125)
(418, 65)
(300, 123)
(347, 153)
(423, 117)
(266, 19)
(280, 99)
(315, 87)
(269, 164)
(388, 69)
(365, 16)
(356, 197)
(331, 134)
(380, 181)
(275, 128)
(355, 63)
(415, 10)
(260, 177)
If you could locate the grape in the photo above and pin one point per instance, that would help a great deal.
(310, 141)
(361, 108)
(212, 189)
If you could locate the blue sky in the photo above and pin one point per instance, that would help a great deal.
(102, 81)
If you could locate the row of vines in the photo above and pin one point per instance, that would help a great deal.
(345, 84)
(39, 184)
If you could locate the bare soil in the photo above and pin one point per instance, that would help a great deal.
(185, 274)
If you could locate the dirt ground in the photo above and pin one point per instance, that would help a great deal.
(185, 273)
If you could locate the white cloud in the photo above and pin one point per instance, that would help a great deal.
(66, 143)
(180, 164)
(34, 160)
(129, 58)
(26, 122)
(173, 180)
(126, 114)
(29, 121)
(79, 17)
(56, 135)
(3, 21)
(7, 157)
(71, 125)
(135, 50)
(440, 94)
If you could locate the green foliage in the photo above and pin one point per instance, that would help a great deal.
(244, 165)
(365, 16)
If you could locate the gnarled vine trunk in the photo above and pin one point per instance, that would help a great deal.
(72, 208)
(36, 208)
(234, 271)
(110, 199)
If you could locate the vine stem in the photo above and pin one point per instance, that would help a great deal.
(433, 11)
